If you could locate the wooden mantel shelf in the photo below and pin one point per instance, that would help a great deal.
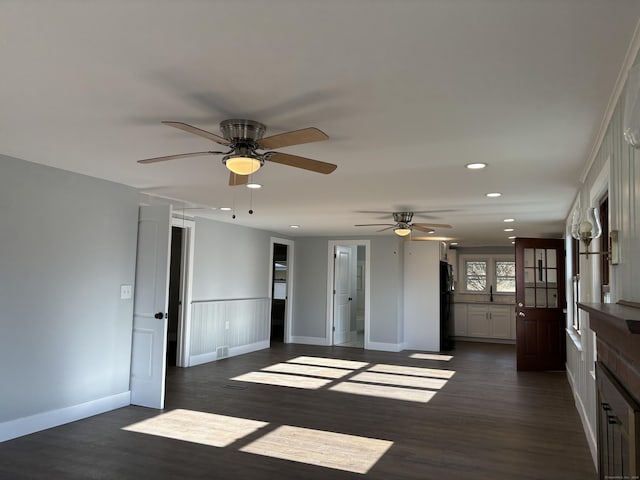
(622, 315)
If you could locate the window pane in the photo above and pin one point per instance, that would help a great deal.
(506, 285)
(505, 276)
(476, 275)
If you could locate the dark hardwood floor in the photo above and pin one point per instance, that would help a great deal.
(487, 422)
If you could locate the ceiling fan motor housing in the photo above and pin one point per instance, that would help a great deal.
(402, 217)
(242, 131)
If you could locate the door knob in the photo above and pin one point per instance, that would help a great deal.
(521, 314)
(159, 315)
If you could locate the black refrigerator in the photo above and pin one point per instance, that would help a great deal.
(446, 322)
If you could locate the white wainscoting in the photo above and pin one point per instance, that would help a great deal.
(580, 372)
(225, 328)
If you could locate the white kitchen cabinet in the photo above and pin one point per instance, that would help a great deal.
(460, 319)
(478, 324)
(501, 317)
(484, 320)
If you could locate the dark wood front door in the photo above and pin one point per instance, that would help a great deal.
(540, 304)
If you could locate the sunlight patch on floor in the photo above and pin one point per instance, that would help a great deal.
(431, 356)
(329, 362)
(283, 380)
(302, 369)
(197, 427)
(417, 371)
(400, 380)
(385, 391)
(324, 449)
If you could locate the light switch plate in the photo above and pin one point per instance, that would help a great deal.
(125, 292)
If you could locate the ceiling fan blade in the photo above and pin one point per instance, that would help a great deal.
(437, 225)
(173, 157)
(296, 137)
(197, 131)
(375, 225)
(384, 229)
(235, 179)
(421, 228)
(301, 162)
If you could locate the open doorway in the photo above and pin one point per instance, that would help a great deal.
(175, 300)
(179, 303)
(280, 272)
(282, 255)
(348, 293)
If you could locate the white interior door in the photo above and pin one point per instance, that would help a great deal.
(342, 297)
(149, 344)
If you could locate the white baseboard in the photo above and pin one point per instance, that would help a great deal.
(232, 352)
(588, 430)
(202, 358)
(252, 347)
(54, 418)
(385, 347)
(310, 340)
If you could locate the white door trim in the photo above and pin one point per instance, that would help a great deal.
(288, 310)
(367, 289)
(186, 281)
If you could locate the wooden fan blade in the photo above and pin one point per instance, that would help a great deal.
(197, 131)
(421, 228)
(296, 137)
(375, 224)
(235, 179)
(384, 229)
(173, 157)
(301, 162)
(437, 225)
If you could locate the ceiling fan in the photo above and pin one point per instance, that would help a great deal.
(244, 138)
(403, 225)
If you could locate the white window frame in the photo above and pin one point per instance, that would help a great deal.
(491, 272)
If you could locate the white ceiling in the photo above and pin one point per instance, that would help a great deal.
(409, 91)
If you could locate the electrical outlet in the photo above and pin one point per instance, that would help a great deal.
(125, 292)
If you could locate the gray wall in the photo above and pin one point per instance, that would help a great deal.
(230, 261)
(310, 304)
(310, 284)
(67, 243)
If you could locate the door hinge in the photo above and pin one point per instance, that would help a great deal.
(333, 328)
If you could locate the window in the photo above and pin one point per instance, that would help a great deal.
(476, 275)
(505, 276)
(488, 274)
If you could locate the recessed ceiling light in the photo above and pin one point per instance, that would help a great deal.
(254, 185)
(512, 237)
(494, 194)
(294, 226)
(508, 229)
(508, 220)
(475, 165)
(225, 209)
(454, 243)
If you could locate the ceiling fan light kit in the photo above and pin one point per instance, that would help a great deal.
(402, 230)
(242, 165)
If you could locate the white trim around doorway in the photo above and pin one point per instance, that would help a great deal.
(186, 281)
(367, 289)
